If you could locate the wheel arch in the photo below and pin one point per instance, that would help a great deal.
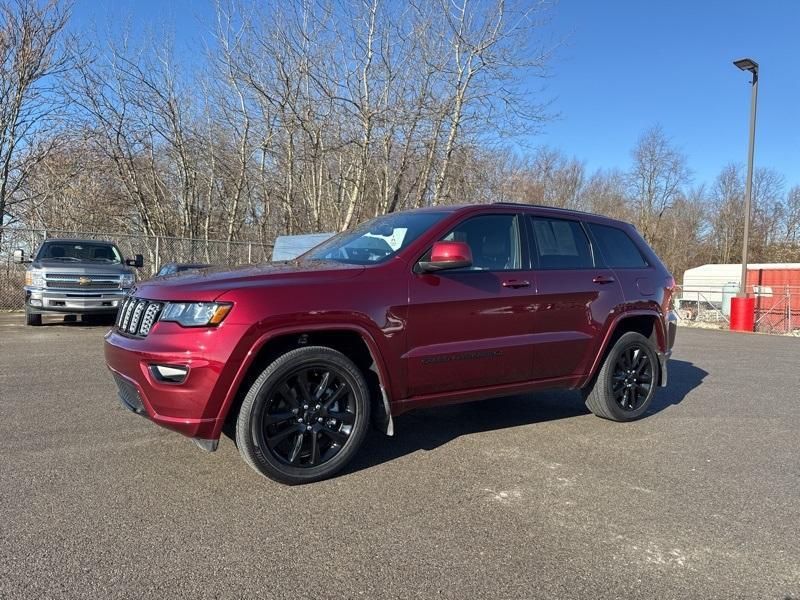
(352, 340)
(649, 323)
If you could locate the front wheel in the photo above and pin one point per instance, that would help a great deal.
(626, 382)
(33, 319)
(304, 417)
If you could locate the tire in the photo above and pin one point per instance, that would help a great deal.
(330, 419)
(33, 319)
(626, 381)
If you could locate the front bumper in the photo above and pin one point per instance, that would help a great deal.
(44, 301)
(191, 407)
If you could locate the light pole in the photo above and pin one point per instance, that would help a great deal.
(748, 64)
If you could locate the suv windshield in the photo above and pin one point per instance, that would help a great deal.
(377, 240)
(79, 252)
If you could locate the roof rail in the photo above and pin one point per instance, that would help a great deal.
(546, 207)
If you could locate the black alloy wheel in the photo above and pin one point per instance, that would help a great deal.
(305, 416)
(624, 385)
(308, 416)
(632, 378)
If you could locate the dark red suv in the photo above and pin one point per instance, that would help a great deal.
(411, 309)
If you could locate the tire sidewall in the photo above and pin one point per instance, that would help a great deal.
(624, 343)
(257, 399)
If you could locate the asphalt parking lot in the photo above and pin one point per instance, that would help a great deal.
(523, 497)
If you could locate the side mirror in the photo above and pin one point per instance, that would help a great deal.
(447, 255)
(137, 261)
(19, 255)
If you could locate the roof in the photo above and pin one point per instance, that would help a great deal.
(553, 209)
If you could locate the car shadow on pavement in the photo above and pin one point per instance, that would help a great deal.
(427, 429)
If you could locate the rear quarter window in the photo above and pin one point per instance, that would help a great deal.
(616, 247)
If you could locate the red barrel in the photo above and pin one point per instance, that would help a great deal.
(743, 314)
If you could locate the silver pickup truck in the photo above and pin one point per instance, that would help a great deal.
(76, 277)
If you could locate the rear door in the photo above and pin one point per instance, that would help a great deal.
(470, 328)
(575, 296)
(641, 282)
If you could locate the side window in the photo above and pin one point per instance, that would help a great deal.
(617, 248)
(493, 239)
(561, 244)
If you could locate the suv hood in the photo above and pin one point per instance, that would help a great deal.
(80, 267)
(205, 285)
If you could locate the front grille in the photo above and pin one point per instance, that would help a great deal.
(82, 282)
(136, 316)
(129, 394)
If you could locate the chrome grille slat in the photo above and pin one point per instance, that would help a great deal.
(128, 315)
(120, 311)
(73, 281)
(137, 316)
(149, 318)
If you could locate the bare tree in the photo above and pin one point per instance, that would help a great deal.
(33, 57)
(656, 179)
(490, 47)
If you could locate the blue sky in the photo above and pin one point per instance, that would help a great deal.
(628, 65)
(625, 66)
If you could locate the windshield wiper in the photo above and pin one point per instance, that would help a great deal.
(72, 258)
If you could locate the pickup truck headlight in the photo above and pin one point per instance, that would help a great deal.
(34, 278)
(196, 314)
(127, 280)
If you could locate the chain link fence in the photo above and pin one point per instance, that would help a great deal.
(156, 251)
(777, 308)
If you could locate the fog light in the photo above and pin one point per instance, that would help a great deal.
(169, 373)
(35, 302)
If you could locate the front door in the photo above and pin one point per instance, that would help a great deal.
(473, 327)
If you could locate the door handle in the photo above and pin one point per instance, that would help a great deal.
(603, 279)
(516, 283)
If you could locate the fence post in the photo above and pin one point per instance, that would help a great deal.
(250, 252)
(789, 301)
(157, 265)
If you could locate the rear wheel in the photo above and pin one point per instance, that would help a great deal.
(625, 385)
(305, 416)
(33, 319)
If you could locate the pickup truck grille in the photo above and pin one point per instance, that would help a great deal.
(136, 316)
(82, 282)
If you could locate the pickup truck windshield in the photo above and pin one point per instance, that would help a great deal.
(79, 252)
(377, 240)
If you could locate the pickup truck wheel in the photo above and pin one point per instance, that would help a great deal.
(33, 319)
(304, 417)
(626, 382)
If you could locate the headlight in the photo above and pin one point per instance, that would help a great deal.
(127, 280)
(196, 314)
(34, 278)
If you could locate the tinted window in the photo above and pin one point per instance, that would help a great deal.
(617, 248)
(561, 244)
(493, 239)
(79, 252)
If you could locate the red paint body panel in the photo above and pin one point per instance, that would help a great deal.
(436, 338)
